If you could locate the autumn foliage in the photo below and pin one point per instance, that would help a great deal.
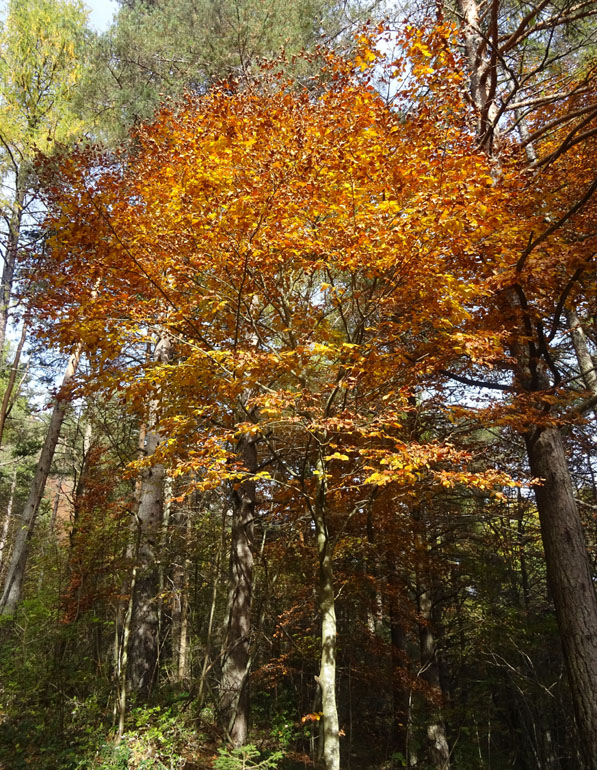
(330, 267)
(318, 487)
(311, 254)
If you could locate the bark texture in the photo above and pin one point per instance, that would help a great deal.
(583, 356)
(327, 670)
(234, 692)
(569, 577)
(144, 631)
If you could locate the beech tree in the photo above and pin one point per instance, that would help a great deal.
(278, 242)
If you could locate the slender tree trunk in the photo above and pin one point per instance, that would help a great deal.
(180, 604)
(8, 517)
(437, 744)
(212, 612)
(569, 577)
(400, 692)
(124, 614)
(10, 258)
(14, 578)
(123, 659)
(5, 408)
(585, 361)
(234, 693)
(143, 648)
(327, 671)
(183, 668)
(163, 619)
(520, 533)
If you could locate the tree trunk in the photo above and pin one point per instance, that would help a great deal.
(569, 578)
(6, 405)
(10, 258)
(13, 582)
(183, 667)
(212, 612)
(144, 632)
(181, 671)
(437, 747)
(398, 641)
(234, 693)
(567, 561)
(327, 671)
(8, 517)
(437, 744)
(585, 361)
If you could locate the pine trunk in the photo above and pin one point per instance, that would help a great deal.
(569, 577)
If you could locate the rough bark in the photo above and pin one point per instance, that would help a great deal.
(14, 577)
(569, 577)
(327, 670)
(567, 562)
(234, 692)
(437, 747)
(144, 632)
(437, 744)
(398, 641)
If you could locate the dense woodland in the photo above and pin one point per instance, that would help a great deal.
(298, 321)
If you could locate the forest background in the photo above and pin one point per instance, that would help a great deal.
(298, 320)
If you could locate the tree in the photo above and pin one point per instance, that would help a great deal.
(43, 49)
(42, 57)
(281, 240)
(157, 51)
(13, 580)
(517, 82)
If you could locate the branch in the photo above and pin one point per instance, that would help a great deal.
(476, 383)
(556, 122)
(556, 225)
(563, 297)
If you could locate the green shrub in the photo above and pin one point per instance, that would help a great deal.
(246, 758)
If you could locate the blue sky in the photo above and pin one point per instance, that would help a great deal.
(101, 13)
